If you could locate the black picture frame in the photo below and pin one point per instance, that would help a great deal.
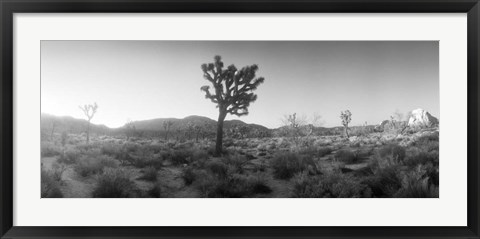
(9, 7)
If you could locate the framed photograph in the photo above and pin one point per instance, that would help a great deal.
(245, 119)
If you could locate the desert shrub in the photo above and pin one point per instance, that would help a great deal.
(218, 182)
(386, 178)
(70, 156)
(316, 151)
(285, 165)
(155, 191)
(87, 165)
(344, 186)
(425, 139)
(57, 171)
(50, 185)
(324, 151)
(114, 183)
(225, 151)
(155, 148)
(218, 169)
(233, 187)
(415, 184)
(347, 156)
(199, 157)
(329, 185)
(416, 156)
(149, 174)
(393, 150)
(112, 149)
(236, 161)
(180, 157)
(83, 147)
(305, 186)
(188, 175)
(205, 182)
(147, 162)
(262, 167)
(259, 184)
(228, 142)
(49, 149)
(238, 186)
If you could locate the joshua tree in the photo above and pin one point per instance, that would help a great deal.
(64, 138)
(130, 129)
(198, 130)
(190, 130)
(167, 125)
(89, 111)
(232, 91)
(346, 117)
(55, 123)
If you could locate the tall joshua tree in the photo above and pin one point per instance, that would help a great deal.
(346, 117)
(232, 91)
(89, 111)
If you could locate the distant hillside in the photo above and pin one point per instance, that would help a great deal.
(49, 123)
(153, 127)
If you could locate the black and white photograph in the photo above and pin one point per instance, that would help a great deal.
(239, 119)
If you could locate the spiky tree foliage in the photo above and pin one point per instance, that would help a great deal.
(167, 125)
(232, 91)
(346, 117)
(89, 111)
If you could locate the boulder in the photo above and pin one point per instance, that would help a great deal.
(420, 118)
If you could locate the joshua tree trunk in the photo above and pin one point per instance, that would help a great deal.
(221, 118)
(88, 132)
(346, 132)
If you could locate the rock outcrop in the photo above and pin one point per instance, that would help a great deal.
(420, 118)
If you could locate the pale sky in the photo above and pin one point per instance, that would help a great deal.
(140, 80)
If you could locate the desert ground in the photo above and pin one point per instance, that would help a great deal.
(366, 164)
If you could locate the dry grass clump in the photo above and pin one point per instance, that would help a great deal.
(88, 165)
(70, 156)
(331, 185)
(287, 164)
(416, 184)
(49, 149)
(115, 183)
(347, 156)
(396, 172)
(149, 174)
(50, 184)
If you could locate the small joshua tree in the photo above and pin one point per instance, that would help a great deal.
(55, 123)
(64, 138)
(167, 125)
(89, 111)
(232, 91)
(294, 125)
(198, 129)
(130, 129)
(189, 130)
(346, 117)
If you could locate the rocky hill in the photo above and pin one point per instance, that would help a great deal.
(421, 118)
